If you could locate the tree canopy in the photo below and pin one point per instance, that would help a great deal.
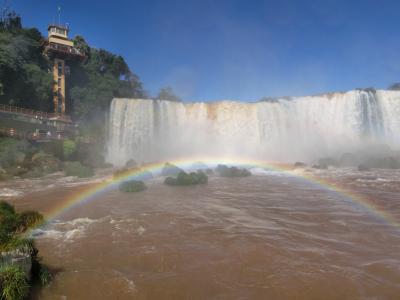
(26, 80)
(167, 93)
(395, 86)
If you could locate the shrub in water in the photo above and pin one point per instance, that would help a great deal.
(69, 148)
(184, 178)
(225, 171)
(132, 186)
(170, 170)
(75, 168)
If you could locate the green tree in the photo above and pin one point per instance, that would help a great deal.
(167, 93)
(395, 87)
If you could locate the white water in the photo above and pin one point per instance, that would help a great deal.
(303, 128)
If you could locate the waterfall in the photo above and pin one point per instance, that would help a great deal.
(300, 128)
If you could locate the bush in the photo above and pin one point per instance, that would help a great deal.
(184, 178)
(132, 186)
(46, 162)
(34, 173)
(44, 275)
(75, 168)
(13, 284)
(225, 171)
(29, 219)
(170, 170)
(12, 151)
(69, 148)
(131, 164)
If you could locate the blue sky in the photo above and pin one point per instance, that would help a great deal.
(238, 49)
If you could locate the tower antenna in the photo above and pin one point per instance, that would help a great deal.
(59, 15)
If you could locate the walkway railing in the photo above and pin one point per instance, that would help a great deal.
(34, 136)
(34, 113)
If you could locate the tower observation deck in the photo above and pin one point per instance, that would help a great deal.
(60, 51)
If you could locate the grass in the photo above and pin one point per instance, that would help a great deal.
(13, 283)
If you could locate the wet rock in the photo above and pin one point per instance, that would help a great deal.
(328, 161)
(299, 164)
(320, 167)
(348, 160)
(363, 168)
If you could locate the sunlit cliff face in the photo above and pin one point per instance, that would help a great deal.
(303, 128)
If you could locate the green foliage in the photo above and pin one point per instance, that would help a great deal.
(12, 223)
(12, 152)
(13, 284)
(75, 168)
(225, 171)
(167, 93)
(132, 186)
(25, 80)
(44, 275)
(29, 219)
(24, 77)
(8, 222)
(184, 178)
(395, 86)
(45, 162)
(170, 170)
(101, 78)
(69, 148)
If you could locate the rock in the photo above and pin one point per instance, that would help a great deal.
(299, 164)
(320, 167)
(225, 171)
(363, 168)
(328, 161)
(348, 160)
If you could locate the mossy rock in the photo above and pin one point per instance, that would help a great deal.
(132, 186)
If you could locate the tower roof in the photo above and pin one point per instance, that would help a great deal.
(58, 26)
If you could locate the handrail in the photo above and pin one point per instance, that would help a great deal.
(65, 49)
(12, 132)
(35, 113)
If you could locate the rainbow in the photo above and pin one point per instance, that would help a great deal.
(93, 191)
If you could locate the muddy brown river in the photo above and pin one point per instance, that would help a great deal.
(268, 236)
